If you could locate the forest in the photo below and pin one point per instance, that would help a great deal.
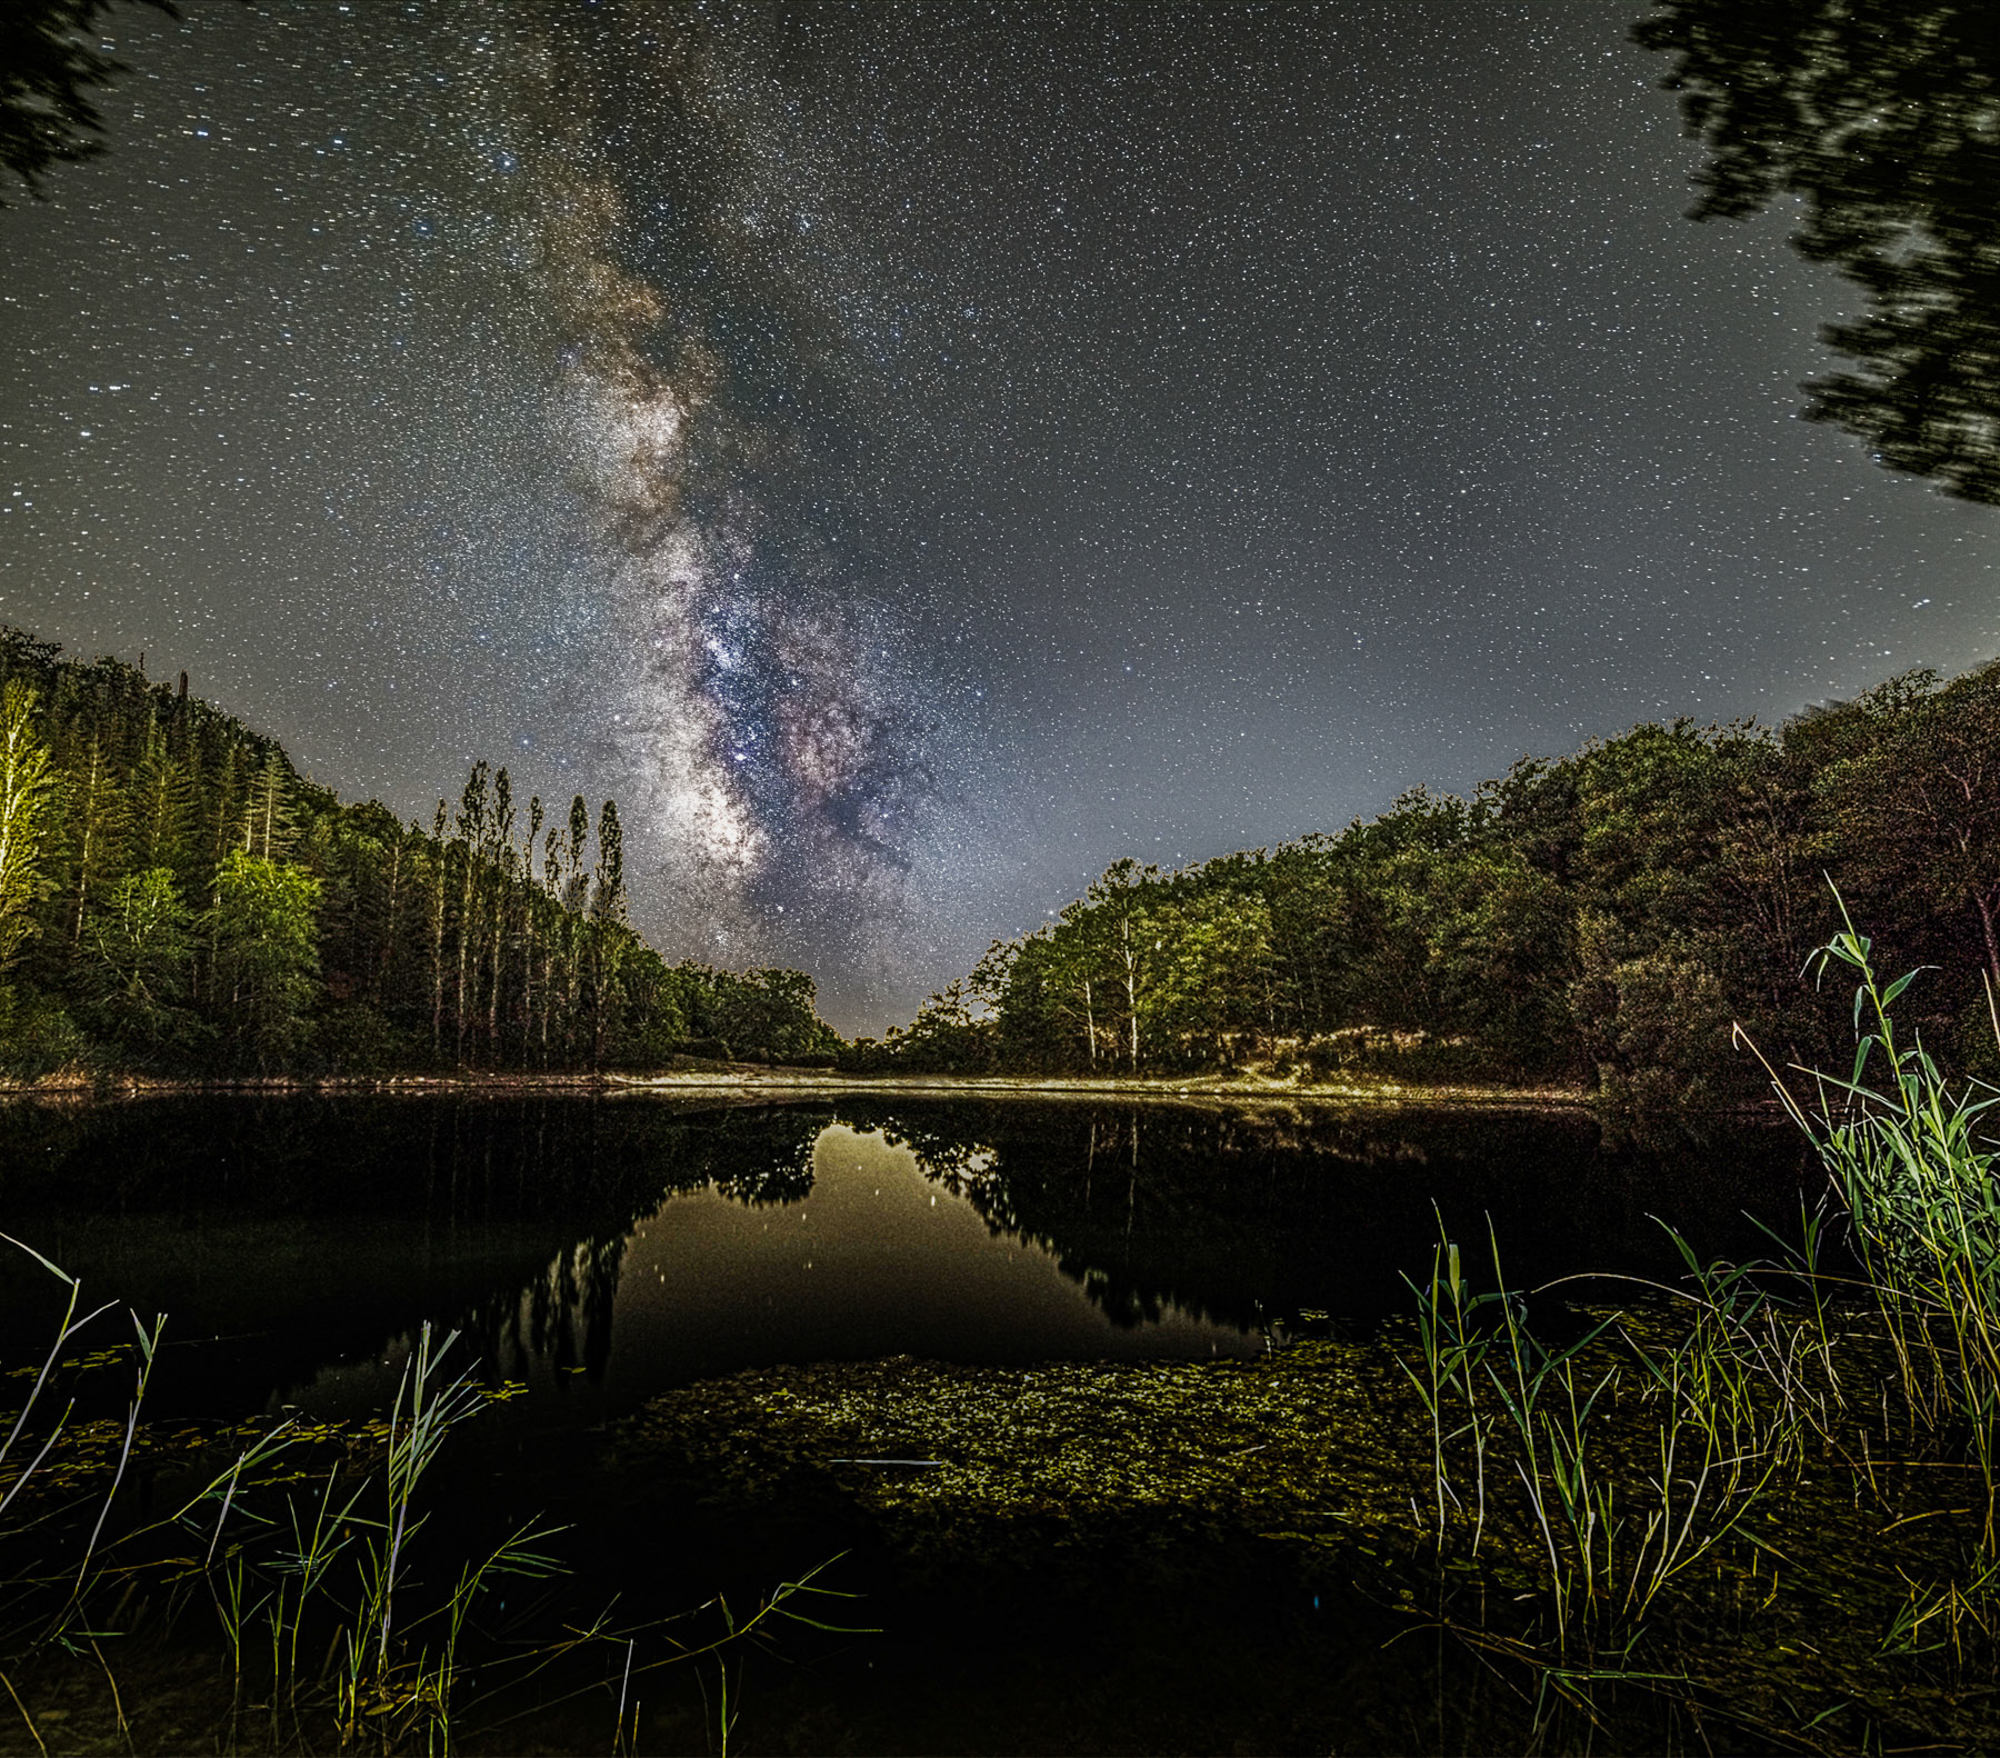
(175, 899)
(1604, 919)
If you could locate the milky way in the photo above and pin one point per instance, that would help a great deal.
(915, 455)
(760, 695)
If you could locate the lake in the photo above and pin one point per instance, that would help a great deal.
(604, 1250)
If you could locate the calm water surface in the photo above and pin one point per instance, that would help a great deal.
(602, 1250)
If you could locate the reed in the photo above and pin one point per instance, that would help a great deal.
(309, 1568)
(1669, 1450)
(1531, 1444)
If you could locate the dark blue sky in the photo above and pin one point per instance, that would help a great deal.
(915, 455)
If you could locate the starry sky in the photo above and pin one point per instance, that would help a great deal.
(914, 455)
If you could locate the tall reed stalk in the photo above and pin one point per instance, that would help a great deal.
(1522, 1453)
(296, 1562)
(1741, 1382)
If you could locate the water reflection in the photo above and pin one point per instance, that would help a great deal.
(602, 1250)
(1244, 1217)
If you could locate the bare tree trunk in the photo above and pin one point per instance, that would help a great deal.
(464, 946)
(1131, 986)
(1985, 904)
(389, 930)
(499, 967)
(437, 933)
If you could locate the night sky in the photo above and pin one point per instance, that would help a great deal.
(914, 455)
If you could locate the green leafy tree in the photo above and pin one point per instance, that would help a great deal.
(50, 63)
(264, 933)
(1132, 942)
(27, 792)
(1212, 974)
(952, 1033)
(95, 825)
(1878, 117)
(1915, 808)
(769, 1012)
(1660, 1025)
(532, 940)
(140, 966)
(607, 892)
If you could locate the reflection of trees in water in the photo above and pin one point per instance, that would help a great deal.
(564, 1314)
(1243, 1217)
(510, 1216)
(1120, 1214)
(1086, 1216)
(761, 1158)
(263, 1221)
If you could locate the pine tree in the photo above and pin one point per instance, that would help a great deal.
(270, 817)
(162, 807)
(437, 866)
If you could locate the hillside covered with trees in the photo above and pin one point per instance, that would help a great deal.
(176, 898)
(1603, 918)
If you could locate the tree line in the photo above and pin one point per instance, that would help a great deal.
(175, 896)
(1605, 918)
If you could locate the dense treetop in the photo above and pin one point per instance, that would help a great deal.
(175, 896)
(1882, 118)
(1606, 918)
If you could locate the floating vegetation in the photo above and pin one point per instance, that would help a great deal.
(1754, 1594)
(999, 1462)
(1761, 1499)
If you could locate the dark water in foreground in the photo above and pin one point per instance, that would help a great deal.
(604, 1250)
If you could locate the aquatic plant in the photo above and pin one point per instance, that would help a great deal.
(1733, 1497)
(1746, 1380)
(1533, 1444)
(303, 1543)
(1919, 1190)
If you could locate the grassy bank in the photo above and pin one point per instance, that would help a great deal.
(1358, 1089)
(298, 1585)
(694, 1075)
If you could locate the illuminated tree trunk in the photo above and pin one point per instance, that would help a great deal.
(25, 789)
(437, 931)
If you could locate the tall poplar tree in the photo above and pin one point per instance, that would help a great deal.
(27, 789)
(471, 833)
(96, 820)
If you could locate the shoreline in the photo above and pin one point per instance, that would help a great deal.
(753, 1080)
(1238, 1088)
